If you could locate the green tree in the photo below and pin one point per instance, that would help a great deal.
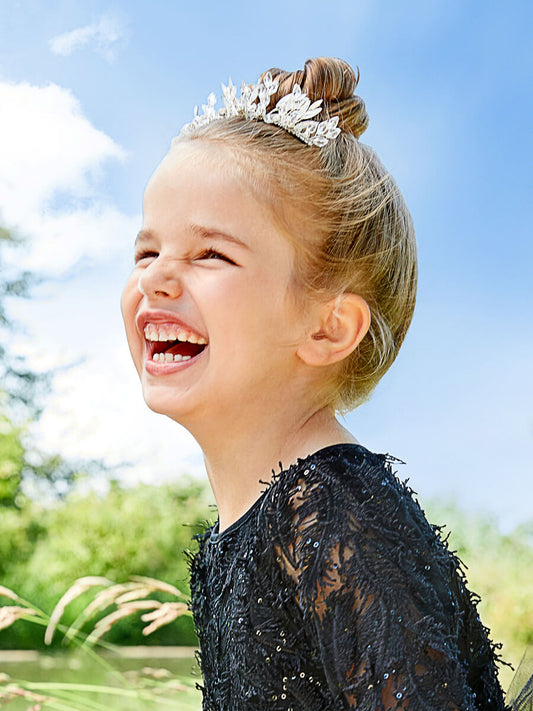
(11, 461)
(21, 388)
(22, 394)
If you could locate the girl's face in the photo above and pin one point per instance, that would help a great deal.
(209, 311)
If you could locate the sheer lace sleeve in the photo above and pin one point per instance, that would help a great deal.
(382, 598)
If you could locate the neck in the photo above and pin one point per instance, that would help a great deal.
(240, 458)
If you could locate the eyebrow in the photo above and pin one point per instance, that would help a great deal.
(144, 236)
(206, 233)
(202, 232)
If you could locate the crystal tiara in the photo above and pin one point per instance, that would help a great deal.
(293, 112)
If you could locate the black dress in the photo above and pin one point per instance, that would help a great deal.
(334, 592)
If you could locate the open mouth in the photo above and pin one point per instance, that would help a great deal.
(169, 343)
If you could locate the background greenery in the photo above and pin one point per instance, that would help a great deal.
(144, 530)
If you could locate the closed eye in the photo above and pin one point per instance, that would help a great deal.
(211, 253)
(146, 254)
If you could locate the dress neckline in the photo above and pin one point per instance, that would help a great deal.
(216, 535)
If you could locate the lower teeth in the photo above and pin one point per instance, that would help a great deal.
(169, 358)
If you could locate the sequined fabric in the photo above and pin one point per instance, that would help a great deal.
(334, 592)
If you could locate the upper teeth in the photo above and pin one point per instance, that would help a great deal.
(153, 332)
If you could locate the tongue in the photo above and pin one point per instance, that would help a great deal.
(184, 348)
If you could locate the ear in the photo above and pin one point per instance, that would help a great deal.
(344, 321)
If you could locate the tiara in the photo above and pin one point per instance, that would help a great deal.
(294, 112)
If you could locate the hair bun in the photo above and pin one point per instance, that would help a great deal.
(332, 80)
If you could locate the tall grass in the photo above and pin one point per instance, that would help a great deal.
(109, 602)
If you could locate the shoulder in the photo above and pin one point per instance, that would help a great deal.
(372, 576)
(344, 512)
(345, 482)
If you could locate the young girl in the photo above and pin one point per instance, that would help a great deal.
(274, 283)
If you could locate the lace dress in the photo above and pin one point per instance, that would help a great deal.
(334, 592)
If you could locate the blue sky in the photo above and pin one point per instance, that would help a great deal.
(91, 94)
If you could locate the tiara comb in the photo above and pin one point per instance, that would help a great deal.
(294, 112)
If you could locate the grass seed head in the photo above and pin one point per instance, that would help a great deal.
(11, 613)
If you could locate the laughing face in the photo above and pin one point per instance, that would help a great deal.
(210, 317)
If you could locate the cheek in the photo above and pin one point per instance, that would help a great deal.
(129, 303)
(130, 296)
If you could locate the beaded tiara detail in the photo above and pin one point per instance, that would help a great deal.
(293, 112)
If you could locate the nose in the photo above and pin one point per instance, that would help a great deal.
(161, 278)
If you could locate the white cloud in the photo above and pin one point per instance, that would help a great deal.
(47, 145)
(97, 234)
(50, 150)
(102, 36)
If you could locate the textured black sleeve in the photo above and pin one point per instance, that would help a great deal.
(382, 598)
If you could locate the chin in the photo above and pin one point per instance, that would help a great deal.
(160, 402)
(166, 403)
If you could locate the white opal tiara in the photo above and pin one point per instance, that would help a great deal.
(293, 112)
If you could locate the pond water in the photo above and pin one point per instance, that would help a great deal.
(166, 677)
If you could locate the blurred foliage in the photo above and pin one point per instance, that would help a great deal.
(23, 466)
(22, 389)
(22, 395)
(11, 461)
(142, 530)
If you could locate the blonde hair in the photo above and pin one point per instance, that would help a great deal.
(354, 233)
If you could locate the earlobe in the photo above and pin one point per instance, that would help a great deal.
(344, 322)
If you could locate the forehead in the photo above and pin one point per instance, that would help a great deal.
(238, 175)
(203, 170)
(199, 184)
